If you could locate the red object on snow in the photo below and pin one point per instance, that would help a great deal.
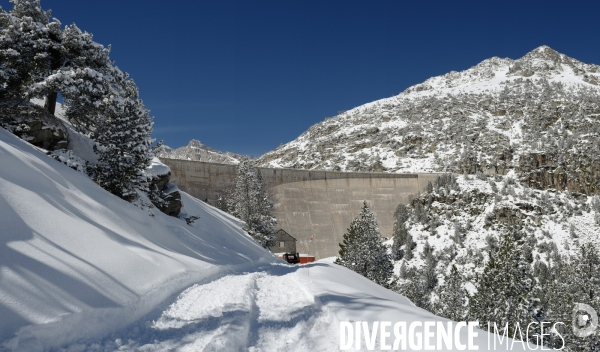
(306, 259)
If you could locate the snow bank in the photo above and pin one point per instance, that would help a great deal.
(78, 262)
(274, 307)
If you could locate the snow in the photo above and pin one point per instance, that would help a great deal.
(82, 270)
(274, 307)
(73, 252)
(157, 168)
(552, 226)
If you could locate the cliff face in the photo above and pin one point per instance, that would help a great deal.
(579, 173)
(538, 115)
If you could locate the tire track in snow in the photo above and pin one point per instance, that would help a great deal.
(253, 311)
(287, 315)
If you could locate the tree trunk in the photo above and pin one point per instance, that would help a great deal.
(50, 103)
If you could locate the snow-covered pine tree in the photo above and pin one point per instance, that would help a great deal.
(586, 275)
(222, 204)
(123, 144)
(504, 289)
(451, 301)
(86, 77)
(40, 60)
(414, 288)
(558, 303)
(587, 272)
(573, 280)
(29, 43)
(362, 250)
(408, 249)
(400, 235)
(428, 271)
(249, 202)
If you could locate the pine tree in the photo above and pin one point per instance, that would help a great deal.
(222, 204)
(414, 288)
(587, 272)
(29, 37)
(362, 250)
(408, 249)
(573, 280)
(250, 203)
(452, 299)
(400, 235)
(40, 60)
(586, 289)
(428, 271)
(558, 303)
(123, 144)
(86, 77)
(504, 289)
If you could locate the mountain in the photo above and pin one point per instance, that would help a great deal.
(538, 115)
(83, 270)
(197, 151)
(518, 142)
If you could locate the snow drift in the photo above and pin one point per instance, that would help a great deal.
(73, 252)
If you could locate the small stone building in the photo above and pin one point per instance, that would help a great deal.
(284, 242)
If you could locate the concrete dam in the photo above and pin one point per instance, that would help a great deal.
(309, 202)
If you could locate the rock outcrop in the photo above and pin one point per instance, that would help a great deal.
(164, 194)
(33, 124)
(579, 174)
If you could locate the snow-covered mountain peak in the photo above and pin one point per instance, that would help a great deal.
(197, 151)
(498, 115)
(540, 63)
(544, 52)
(550, 64)
(194, 143)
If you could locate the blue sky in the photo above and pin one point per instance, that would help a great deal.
(245, 76)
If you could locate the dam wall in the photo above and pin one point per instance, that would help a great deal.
(309, 202)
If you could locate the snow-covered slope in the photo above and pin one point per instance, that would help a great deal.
(81, 269)
(196, 151)
(499, 115)
(462, 224)
(276, 307)
(71, 251)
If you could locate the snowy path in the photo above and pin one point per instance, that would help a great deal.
(269, 309)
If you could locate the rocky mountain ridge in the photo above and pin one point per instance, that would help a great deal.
(538, 115)
(196, 151)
